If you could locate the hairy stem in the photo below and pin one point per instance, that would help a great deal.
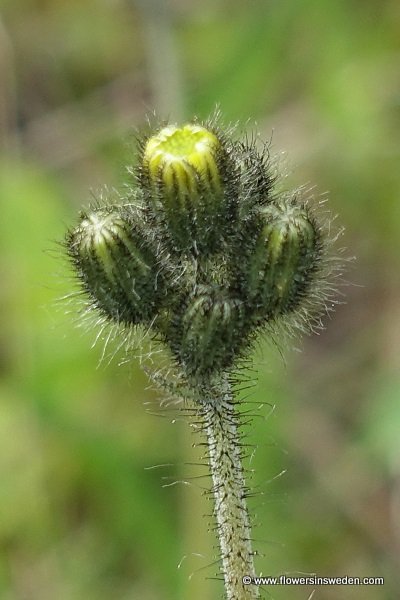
(233, 526)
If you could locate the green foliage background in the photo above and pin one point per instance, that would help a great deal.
(81, 518)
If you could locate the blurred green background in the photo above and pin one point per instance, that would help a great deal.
(81, 518)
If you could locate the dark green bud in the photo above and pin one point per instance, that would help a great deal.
(283, 259)
(207, 335)
(116, 265)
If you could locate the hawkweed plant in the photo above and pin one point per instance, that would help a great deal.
(205, 254)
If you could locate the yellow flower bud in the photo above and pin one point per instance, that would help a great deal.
(179, 156)
(180, 171)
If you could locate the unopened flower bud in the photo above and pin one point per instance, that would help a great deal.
(283, 260)
(210, 333)
(115, 265)
(180, 170)
(179, 157)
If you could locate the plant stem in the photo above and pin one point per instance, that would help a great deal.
(233, 525)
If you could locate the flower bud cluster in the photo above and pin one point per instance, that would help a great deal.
(208, 253)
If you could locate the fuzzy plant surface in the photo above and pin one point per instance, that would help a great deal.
(206, 254)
